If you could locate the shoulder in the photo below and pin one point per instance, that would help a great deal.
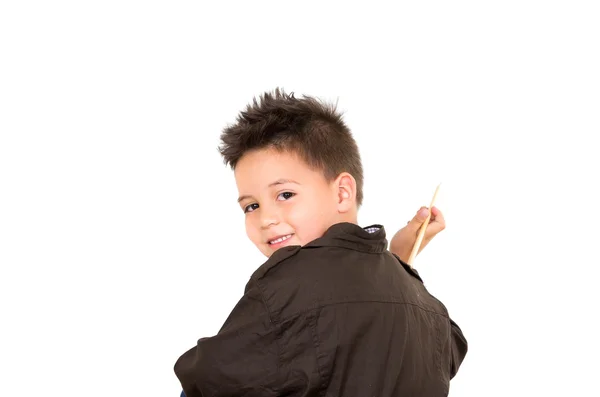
(279, 257)
(298, 279)
(300, 262)
(293, 279)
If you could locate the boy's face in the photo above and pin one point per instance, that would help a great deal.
(284, 201)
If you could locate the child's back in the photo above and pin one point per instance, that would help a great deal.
(340, 316)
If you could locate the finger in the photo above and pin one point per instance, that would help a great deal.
(437, 222)
(437, 215)
(436, 225)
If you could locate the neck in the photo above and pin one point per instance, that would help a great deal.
(350, 217)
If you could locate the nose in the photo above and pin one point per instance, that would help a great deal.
(268, 217)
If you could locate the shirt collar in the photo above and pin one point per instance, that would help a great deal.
(370, 239)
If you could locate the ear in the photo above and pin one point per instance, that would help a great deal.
(345, 186)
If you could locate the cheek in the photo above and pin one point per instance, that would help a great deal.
(308, 220)
(294, 214)
(251, 230)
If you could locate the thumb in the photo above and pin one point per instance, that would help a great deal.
(420, 217)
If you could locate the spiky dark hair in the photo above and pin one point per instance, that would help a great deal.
(306, 126)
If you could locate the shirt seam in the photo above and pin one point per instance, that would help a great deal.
(299, 313)
(274, 328)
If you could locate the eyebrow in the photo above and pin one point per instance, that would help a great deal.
(277, 182)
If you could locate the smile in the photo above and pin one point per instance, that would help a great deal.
(280, 239)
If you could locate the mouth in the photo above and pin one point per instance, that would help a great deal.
(279, 239)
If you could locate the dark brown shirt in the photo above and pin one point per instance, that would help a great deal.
(340, 316)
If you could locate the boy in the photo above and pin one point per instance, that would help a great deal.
(331, 312)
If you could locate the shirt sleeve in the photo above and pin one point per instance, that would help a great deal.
(409, 269)
(458, 349)
(241, 360)
(458, 342)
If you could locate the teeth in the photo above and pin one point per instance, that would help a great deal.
(280, 239)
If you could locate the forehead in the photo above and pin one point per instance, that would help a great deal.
(259, 168)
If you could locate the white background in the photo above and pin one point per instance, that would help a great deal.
(114, 198)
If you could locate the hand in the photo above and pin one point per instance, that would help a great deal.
(403, 241)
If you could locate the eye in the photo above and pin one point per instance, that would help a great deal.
(250, 208)
(286, 195)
